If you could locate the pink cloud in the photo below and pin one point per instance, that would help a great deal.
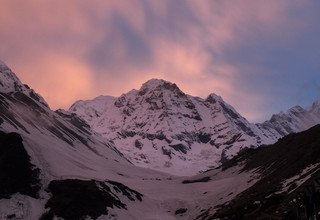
(47, 43)
(62, 81)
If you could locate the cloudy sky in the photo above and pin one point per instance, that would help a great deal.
(261, 56)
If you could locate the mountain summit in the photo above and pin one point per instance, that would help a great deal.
(9, 83)
(154, 84)
(8, 80)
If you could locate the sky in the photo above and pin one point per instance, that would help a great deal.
(261, 56)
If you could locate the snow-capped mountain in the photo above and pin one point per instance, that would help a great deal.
(160, 127)
(10, 83)
(42, 152)
(294, 120)
(24, 111)
(53, 166)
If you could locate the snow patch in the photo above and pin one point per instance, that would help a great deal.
(296, 181)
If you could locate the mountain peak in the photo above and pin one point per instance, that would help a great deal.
(9, 82)
(316, 104)
(4, 68)
(155, 84)
(2, 63)
(315, 107)
(296, 108)
(213, 98)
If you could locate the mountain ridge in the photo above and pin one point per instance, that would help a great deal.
(180, 128)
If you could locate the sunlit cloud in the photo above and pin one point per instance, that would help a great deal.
(62, 80)
(81, 49)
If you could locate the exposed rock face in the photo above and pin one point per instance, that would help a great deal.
(17, 173)
(78, 199)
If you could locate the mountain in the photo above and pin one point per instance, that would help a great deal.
(288, 182)
(294, 120)
(160, 127)
(47, 156)
(9, 83)
(53, 166)
(24, 111)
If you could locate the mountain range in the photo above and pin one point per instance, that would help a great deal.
(162, 128)
(57, 165)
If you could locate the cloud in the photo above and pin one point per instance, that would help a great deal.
(108, 47)
(62, 80)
